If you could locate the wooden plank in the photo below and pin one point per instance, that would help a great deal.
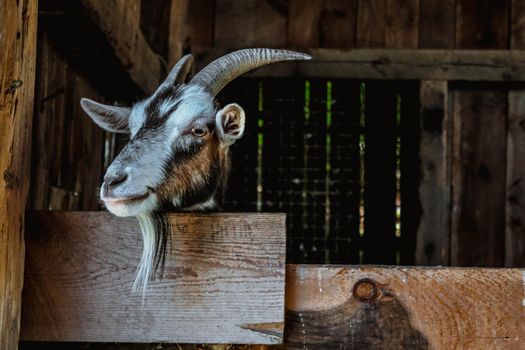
(17, 77)
(371, 23)
(515, 199)
(433, 237)
(250, 23)
(418, 64)
(303, 23)
(478, 177)
(338, 24)
(515, 217)
(437, 24)
(482, 24)
(366, 307)
(224, 275)
(402, 24)
(517, 29)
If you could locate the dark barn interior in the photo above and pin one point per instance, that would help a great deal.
(383, 166)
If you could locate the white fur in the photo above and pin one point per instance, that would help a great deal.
(143, 274)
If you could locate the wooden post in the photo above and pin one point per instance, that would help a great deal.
(17, 68)
(178, 30)
(434, 231)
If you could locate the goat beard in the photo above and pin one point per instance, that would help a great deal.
(155, 232)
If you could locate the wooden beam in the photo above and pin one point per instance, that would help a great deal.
(224, 276)
(17, 78)
(422, 64)
(366, 307)
(103, 41)
(433, 237)
(120, 20)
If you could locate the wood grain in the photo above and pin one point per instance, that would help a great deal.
(68, 146)
(413, 64)
(224, 276)
(433, 237)
(366, 307)
(478, 177)
(402, 24)
(515, 199)
(17, 78)
(437, 24)
(515, 213)
(371, 23)
(248, 23)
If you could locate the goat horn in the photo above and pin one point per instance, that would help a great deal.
(226, 68)
(179, 72)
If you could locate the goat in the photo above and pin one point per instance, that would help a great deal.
(178, 155)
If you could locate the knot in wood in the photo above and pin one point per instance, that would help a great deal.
(365, 290)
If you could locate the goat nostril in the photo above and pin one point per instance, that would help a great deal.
(115, 179)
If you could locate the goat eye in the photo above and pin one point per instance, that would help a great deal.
(199, 131)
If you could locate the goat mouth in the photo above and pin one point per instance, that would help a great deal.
(127, 200)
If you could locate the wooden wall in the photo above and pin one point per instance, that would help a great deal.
(485, 220)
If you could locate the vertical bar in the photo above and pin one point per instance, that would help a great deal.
(433, 235)
(18, 34)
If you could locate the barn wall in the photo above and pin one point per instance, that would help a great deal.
(486, 223)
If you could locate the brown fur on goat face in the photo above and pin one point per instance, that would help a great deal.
(178, 153)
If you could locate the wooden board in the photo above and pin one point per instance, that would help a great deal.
(437, 23)
(433, 237)
(365, 307)
(224, 275)
(248, 23)
(414, 64)
(478, 177)
(17, 78)
(402, 24)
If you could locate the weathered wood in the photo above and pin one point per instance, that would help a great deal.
(67, 166)
(437, 22)
(403, 308)
(177, 30)
(478, 177)
(371, 23)
(224, 275)
(402, 23)
(468, 65)
(249, 23)
(433, 237)
(322, 23)
(515, 212)
(17, 78)
(482, 24)
(515, 199)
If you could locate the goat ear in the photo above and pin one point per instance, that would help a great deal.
(109, 118)
(230, 123)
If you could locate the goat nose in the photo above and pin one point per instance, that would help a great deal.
(115, 179)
